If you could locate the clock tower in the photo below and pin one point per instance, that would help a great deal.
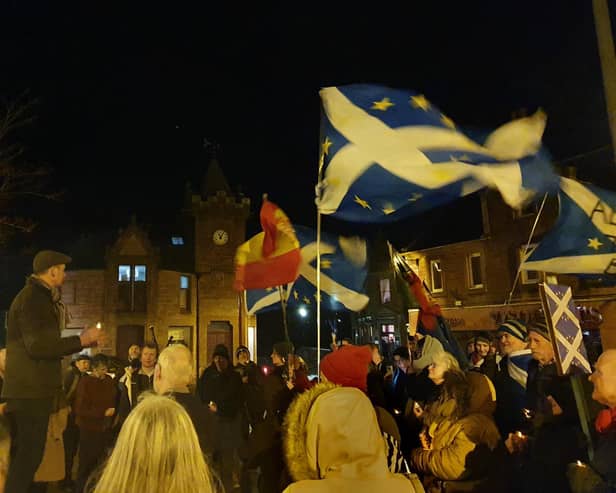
(220, 227)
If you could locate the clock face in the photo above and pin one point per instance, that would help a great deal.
(220, 237)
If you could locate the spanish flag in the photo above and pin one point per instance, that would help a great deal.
(270, 258)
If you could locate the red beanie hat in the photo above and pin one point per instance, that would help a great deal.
(348, 366)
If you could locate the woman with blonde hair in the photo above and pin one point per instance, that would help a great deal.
(157, 451)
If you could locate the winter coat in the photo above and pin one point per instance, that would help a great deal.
(34, 346)
(93, 397)
(464, 449)
(332, 442)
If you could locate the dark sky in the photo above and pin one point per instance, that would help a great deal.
(126, 93)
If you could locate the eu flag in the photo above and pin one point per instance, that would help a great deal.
(387, 154)
(343, 274)
(582, 240)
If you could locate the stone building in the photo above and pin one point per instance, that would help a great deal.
(178, 285)
(477, 282)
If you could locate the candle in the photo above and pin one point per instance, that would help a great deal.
(579, 463)
(98, 325)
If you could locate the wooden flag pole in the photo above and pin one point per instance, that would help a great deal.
(319, 176)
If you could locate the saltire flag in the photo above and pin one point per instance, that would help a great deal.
(564, 328)
(387, 154)
(343, 275)
(271, 257)
(582, 240)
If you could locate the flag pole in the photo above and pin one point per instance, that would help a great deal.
(283, 304)
(530, 239)
(318, 193)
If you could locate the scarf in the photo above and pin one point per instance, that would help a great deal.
(56, 297)
(606, 420)
(517, 366)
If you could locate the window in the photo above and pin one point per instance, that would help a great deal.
(385, 291)
(475, 276)
(528, 276)
(177, 240)
(132, 293)
(388, 328)
(184, 293)
(436, 274)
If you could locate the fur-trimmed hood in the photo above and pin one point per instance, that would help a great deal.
(332, 432)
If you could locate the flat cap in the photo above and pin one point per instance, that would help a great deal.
(48, 258)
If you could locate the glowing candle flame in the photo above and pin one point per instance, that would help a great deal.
(98, 325)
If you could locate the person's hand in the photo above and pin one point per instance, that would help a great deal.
(417, 410)
(556, 409)
(425, 440)
(516, 442)
(290, 384)
(110, 411)
(212, 407)
(93, 337)
(244, 379)
(2, 408)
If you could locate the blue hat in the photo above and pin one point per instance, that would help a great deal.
(515, 328)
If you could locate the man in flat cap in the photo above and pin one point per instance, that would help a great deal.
(34, 350)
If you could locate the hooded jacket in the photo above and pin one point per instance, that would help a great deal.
(332, 442)
(462, 447)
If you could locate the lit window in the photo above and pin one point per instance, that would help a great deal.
(184, 293)
(177, 240)
(140, 271)
(388, 328)
(124, 273)
(528, 276)
(385, 291)
(436, 273)
(475, 276)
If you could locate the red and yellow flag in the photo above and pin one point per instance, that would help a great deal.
(270, 258)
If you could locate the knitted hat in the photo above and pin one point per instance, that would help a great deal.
(348, 366)
(240, 349)
(283, 348)
(515, 328)
(541, 329)
(45, 259)
(221, 350)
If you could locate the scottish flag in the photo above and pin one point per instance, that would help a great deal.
(343, 274)
(582, 240)
(388, 154)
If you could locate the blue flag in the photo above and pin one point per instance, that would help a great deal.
(387, 154)
(343, 274)
(582, 240)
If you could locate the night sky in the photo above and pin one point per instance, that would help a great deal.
(127, 93)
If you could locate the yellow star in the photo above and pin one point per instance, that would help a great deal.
(415, 197)
(326, 264)
(326, 145)
(463, 157)
(382, 105)
(317, 296)
(388, 210)
(448, 122)
(269, 290)
(362, 202)
(306, 300)
(594, 243)
(295, 294)
(420, 102)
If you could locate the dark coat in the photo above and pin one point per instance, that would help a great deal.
(201, 417)
(34, 346)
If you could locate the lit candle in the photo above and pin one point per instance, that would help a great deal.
(98, 325)
(579, 463)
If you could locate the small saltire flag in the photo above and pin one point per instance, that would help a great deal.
(564, 328)
(582, 240)
(270, 258)
(388, 154)
(343, 274)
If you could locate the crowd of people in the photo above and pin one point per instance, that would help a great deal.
(501, 420)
